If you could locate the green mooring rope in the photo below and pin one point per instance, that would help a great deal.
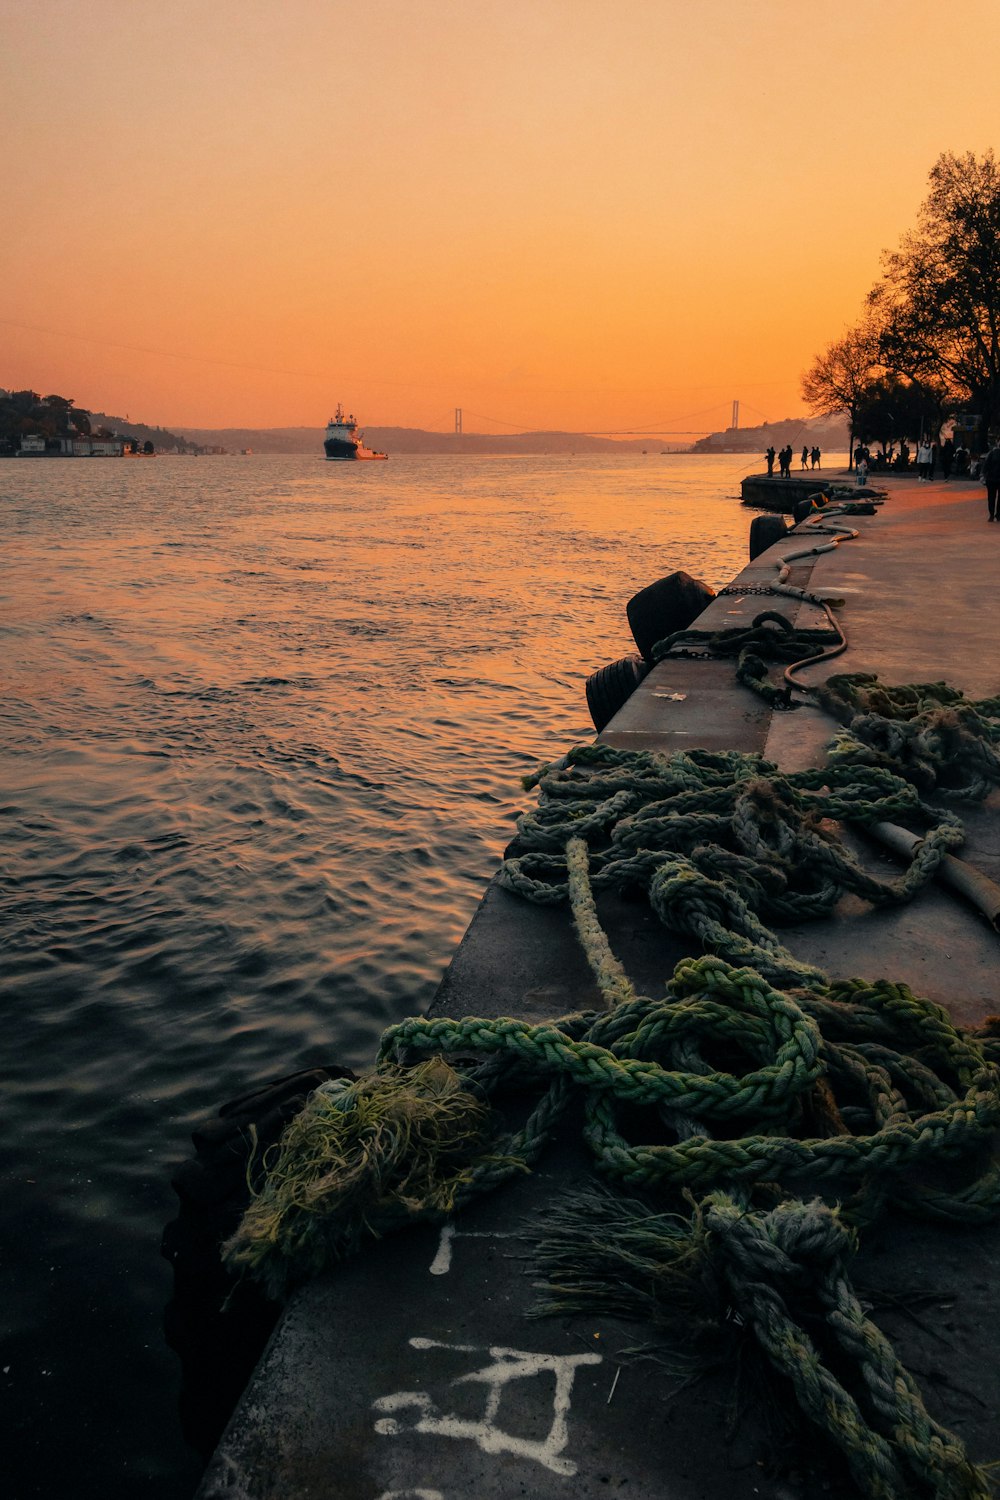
(902, 1087)
(754, 1077)
(705, 1279)
(930, 733)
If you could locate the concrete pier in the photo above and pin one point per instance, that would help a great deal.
(416, 1370)
(771, 492)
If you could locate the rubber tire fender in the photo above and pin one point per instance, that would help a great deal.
(609, 688)
(671, 603)
(764, 532)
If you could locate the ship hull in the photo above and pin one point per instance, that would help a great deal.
(346, 453)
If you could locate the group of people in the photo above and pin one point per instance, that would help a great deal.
(784, 457)
(952, 458)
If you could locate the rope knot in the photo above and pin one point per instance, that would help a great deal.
(796, 1243)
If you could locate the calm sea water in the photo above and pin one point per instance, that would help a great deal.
(263, 724)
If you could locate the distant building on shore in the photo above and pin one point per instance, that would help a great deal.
(33, 446)
(92, 447)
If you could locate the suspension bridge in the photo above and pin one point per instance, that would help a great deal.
(713, 419)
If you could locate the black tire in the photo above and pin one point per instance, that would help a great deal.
(764, 532)
(612, 686)
(669, 604)
(218, 1323)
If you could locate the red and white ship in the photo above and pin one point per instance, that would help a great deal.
(343, 442)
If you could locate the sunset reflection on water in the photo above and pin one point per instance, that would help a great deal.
(264, 727)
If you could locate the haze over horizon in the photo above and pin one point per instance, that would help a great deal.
(548, 213)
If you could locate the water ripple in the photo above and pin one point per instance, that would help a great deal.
(263, 733)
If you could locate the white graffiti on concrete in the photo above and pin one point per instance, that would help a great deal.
(412, 1495)
(441, 1264)
(509, 1365)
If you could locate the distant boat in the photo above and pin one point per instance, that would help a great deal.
(343, 442)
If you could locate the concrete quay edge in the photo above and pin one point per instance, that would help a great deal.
(771, 492)
(415, 1372)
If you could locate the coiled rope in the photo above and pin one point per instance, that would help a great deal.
(754, 1076)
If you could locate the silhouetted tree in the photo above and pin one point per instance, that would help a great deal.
(62, 416)
(841, 378)
(894, 409)
(937, 303)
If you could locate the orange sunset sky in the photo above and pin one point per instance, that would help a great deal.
(552, 213)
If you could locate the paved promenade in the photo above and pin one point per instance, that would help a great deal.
(415, 1372)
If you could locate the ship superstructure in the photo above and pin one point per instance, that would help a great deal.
(343, 442)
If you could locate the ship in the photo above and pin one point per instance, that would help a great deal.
(343, 441)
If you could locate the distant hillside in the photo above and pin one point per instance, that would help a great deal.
(162, 440)
(829, 433)
(415, 440)
(30, 413)
(261, 440)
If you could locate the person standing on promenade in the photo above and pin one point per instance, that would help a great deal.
(785, 462)
(990, 474)
(923, 460)
(804, 461)
(770, 455)
(947, 454)
(933, 463)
